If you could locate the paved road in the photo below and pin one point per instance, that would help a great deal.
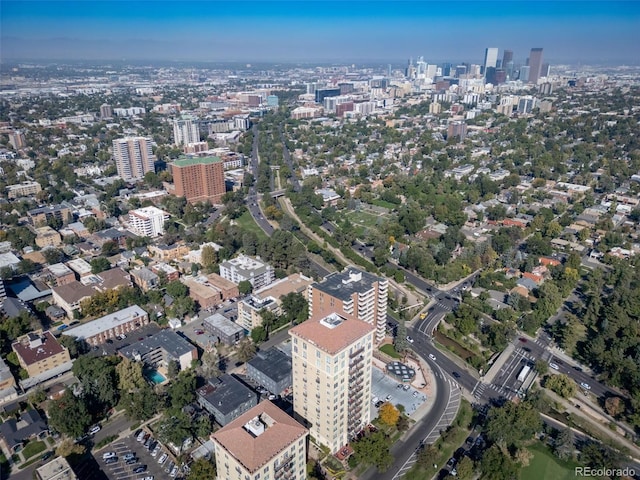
(254, 207)
(428, 427)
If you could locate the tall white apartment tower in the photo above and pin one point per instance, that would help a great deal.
(490, 58)
(332, 358)
(355, 293)
(134, 157)
(185, 131)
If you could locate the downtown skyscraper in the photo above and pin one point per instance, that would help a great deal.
(535, 65)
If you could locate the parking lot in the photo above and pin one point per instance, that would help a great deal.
(192, 329)
(120, 469)
(115, 344)
(386, 388)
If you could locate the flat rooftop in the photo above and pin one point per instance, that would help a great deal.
(343, 285)
(99, 325)
(190, 161)
(167, 340)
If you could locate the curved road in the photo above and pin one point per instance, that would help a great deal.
(427, 430)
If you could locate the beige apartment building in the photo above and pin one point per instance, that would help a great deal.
(263, 444)
(40, 352)
(332, 360)
(354, 293)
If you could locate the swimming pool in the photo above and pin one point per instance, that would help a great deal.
(155, 376)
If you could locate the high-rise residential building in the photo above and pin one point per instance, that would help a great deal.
(457, 129)
(353, 292)
(264, 443)
(185, 131)
(490, 58)
(106, 111)
(199, 179)
(134, 157)
(147, 221)
(17, 139)
(332, 358)
(535, 65)
(524, 74)
(545, 70)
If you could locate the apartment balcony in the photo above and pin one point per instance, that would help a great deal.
(357, 352)
(286, 464)
(356, 362)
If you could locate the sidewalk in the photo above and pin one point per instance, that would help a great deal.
(498, 364)
(570, 406)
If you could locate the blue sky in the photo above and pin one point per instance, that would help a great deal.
(319, 30)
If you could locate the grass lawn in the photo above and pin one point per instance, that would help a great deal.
(363, 219)
(33, 448)
(384, 204)
(389, 350)
(545, 465)
(246, 222)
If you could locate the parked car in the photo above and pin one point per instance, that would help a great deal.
(586, 386)
(95, 429)
(406, 388)
(409, 339)
(107, 455)
(198, 332)
(140, 469)
(140, 437)
(156, 451)
(129, 456)
(131, 461)
(174, 471)
(111, 460)
(163, 458)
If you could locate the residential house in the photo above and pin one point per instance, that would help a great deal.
(14, 433)
(145, 278)
(166, 253)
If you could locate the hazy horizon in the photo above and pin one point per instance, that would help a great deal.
(319, 31)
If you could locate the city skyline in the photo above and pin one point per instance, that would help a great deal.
(318, 31)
